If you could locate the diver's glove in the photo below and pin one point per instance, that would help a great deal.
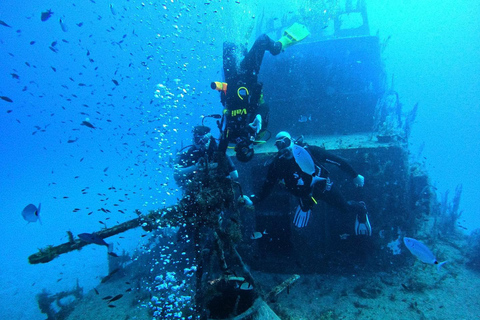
(359, 181)
(301, 217)
(362, 223)
(256, 125)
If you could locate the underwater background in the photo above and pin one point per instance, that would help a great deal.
(140, 73)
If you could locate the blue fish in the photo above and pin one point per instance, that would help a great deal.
(95, 239)
(419, 250)
(305, 162)
(31, 213)
(303, 159)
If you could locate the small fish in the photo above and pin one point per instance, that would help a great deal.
(87, 124)
(344, 236)
(111, 306)
(115, 81)
(63, 25)
(107, 298)
(4, 24)
(31, 213)
(118, 296)
(6, 99)
(96, 291)
(419, 250)
(303, 118)
(112, 9)
(257, 235)
(46, 15)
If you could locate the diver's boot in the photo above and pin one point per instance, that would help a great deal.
(297, 32)
(362, 223)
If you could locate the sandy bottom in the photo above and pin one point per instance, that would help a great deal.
(418, 291)
(424, 294)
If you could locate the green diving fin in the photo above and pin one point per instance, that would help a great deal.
(297, 32)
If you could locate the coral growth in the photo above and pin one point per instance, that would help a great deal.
(447, 213)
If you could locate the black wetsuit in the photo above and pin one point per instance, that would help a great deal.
(298, 182)
(242, 98)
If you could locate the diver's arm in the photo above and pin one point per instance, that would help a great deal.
(180, 173)
(324, 156)
(233, 173)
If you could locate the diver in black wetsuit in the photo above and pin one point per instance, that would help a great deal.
(301, 168)
(246, 114)
(200, 155)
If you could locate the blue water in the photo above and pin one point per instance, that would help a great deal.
(175, 48)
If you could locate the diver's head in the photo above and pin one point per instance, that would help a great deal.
(244, 150)
(283, 142)
(201, 136)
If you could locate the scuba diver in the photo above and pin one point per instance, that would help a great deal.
(200, 156)
(301, 169)
(245, 115)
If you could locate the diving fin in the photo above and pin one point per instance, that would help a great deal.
(363, 228)
(297, 32)
(301, 217)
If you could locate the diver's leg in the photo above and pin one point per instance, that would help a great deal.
(334, 198)
(357, 208)
(253, 60)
